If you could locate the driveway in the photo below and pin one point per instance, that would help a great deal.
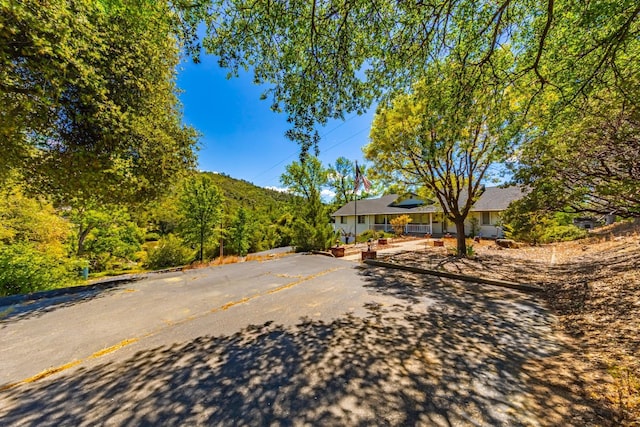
(299, 340)
(393, 248)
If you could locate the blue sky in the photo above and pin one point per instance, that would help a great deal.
(242, 137)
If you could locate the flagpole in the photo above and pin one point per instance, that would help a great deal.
(355, 201)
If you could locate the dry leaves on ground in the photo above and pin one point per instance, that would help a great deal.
(593, 287)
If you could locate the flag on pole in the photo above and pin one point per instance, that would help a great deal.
(361, 179)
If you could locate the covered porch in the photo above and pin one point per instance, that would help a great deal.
(408, 229)
(421, 223)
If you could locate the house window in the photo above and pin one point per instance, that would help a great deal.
(343, 220)
(486, 218)
(360, 219)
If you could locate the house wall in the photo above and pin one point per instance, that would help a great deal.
(437, 224)
(440, 226)
(349, 227)
(491, 230)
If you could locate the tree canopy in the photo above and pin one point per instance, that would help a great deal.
(325, 59)
(310, 229)
(89, 99)
(444, 137)
(588, 161)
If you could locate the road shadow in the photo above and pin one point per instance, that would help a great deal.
(437, 355)
(21, 307)
(568, 285)
(491, 266)
(36, 307)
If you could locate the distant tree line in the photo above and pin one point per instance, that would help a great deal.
(44, 247)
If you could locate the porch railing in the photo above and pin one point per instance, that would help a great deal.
(409, 228)
(418, 229)
(383, 227)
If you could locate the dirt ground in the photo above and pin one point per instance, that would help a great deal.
(593, 287)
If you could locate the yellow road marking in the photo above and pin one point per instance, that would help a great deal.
(113, 348)
(51, 371)
(124, 343)
(304, 279)
(232, 303)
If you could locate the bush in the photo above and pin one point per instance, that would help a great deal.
(474, 224)
(152, 236)
(24, 269)
(109, 246)
(562, 233)
(399, 224)
(370, 234)
(170, 252)
(470, 251)
(306, 237)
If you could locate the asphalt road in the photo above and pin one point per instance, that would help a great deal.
(299, 340)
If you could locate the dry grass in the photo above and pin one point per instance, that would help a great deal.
(593, 286)
(233, 259)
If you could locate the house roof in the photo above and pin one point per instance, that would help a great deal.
(380, 206)
(492, 199)
(498, 198)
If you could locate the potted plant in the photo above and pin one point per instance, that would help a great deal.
(369, 254)
(337, 251)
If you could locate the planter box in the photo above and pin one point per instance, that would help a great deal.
(368, 255)
(337, 252)
(382, 241)
(438, 243)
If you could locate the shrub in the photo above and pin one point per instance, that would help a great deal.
(170, 252)
(562, 233)
(475, 227)
(470, 251)
(152, 236)
(369, 234)
(24, 269)
(399, 223)
(306, 237)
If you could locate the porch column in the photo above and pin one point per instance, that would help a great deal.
(431, 223)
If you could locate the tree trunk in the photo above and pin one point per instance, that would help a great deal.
(460, 238)
(201, 246)
(82, 235)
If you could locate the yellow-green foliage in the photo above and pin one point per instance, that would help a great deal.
(33, 246)
(399, 223)
(626, 393)
(169, 252)
(24, 219)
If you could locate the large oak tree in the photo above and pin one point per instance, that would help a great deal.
(89, 105)
(589, 161)
(445, 136)
(323, 59)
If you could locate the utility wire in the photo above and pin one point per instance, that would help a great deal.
(290, 156)
(327, 149)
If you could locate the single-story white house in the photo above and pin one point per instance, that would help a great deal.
(427, 216)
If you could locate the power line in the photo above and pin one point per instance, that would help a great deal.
(321, 136)
(328, 149)
(346, 139)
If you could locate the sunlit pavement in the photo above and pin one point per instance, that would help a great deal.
(393, 248)
(301, 340)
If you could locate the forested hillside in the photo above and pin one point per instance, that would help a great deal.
(240, 193)
(46, 244)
